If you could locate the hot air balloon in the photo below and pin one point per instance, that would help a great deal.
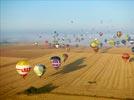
(56, 61)
(36, 43)
(117, 42)
(132, 49)
(100, 33)
(94, 46)
(57, 46)
(67, 47)
(23, 67)
(96, 41)
(105, 40)
(119, 34)
(131, 41)
(65, 56)
(111, 42)
(39, 69)
(123, 42)
(125, 57)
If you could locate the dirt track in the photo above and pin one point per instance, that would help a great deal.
(85, 75)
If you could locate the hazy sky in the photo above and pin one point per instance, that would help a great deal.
(21, 18)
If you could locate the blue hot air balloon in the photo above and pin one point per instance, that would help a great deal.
(123, 42)
(56, 61)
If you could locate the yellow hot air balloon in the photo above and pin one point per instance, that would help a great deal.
(111, 42)
(93, 44)
(119, 34)
(96, 41)
(23, 67)
(39, 69)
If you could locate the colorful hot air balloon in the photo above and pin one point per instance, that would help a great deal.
(65, 56)
(119, 34)
(39, 69)
(125, 57)
(23, 67)
(56, 62)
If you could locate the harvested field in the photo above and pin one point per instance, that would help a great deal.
(85, 75)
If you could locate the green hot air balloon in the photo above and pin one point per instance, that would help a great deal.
(39, 69)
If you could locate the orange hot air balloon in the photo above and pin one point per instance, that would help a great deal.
(125, 57)
(119, 34)
(65, 57)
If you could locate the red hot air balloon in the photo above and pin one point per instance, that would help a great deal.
(125, 57)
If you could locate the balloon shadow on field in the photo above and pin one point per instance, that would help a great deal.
(76, 65)
(45, 89)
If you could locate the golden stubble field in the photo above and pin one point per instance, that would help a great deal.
(85, 75)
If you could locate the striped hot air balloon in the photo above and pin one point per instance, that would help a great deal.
(56, 62)
(23, 67)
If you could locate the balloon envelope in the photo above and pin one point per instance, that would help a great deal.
(39, 69)
(65, 56)
(23, 67)
(125, 56)
(111, 42)
(119, 34)
(93, 45)
(56, 62)
(100, 33)
(123, 42)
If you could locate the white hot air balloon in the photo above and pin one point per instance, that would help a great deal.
(57, 45)
(39, 69)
